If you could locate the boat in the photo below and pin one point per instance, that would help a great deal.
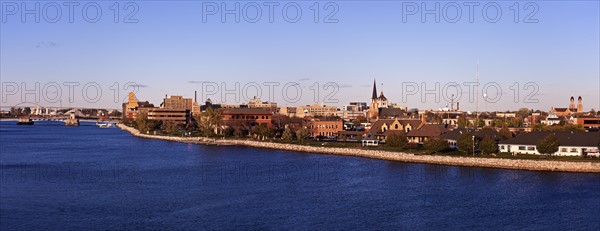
(72, 120)
(104, 121)
(25, 121)
(104, 124)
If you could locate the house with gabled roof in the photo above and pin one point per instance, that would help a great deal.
(384, 127)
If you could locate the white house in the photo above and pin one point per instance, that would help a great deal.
(571, 143)
(552, 119)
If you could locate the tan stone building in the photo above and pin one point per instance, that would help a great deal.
(131, 108)
(572, 109)
(177, 102)
(377, 102)
(314, 110)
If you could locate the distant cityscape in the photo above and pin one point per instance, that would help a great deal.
(369, 124)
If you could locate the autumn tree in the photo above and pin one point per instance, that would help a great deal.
(360, 119)
(549, 145)
(505, 133)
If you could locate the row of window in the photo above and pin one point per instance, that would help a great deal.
(565, 150)
(531, 148)
(250, 117)
(523, 148)
(326, 126)
(396, 127)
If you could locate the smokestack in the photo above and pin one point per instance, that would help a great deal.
(196, 96)
(457, 106)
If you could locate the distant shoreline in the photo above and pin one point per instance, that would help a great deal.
(534, 165)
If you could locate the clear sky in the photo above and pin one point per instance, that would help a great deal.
(177, 45)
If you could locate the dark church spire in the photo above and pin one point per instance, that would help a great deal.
(374, 90)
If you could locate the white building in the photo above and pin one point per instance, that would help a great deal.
(552, 119)
(571, 143)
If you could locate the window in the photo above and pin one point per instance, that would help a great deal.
(521, 148)
(530, 148)
(573, 149)
(563, 149)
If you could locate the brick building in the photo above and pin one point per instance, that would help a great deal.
(326, 128)
(246, 118)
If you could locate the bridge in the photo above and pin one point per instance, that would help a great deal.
(42, 113)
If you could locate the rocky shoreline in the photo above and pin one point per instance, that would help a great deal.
(536, 165)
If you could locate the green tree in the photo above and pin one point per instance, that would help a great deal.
(170, 127)
(115, 113)
(549, 145)
(488, 145)
(145, 125)
(262, 131)
(436, 145)
(523, 113)
(16, 111)
(505, 133)
(480, 122)
(27, 111)
(360, 119)
(396, 140)
(238, 132)
(209, 122)
(287, 135)
(302, 134)
(465, 143)
(462, 122)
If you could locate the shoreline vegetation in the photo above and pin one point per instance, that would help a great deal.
(504, 163)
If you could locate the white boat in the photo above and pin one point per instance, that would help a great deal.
(104, 124)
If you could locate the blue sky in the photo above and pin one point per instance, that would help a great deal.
(171, 50)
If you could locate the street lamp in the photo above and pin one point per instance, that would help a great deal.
(473, 145)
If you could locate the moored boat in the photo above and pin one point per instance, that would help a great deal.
(25, 121)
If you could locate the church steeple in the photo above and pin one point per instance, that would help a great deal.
(374, 90)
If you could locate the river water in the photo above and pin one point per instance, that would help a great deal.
(74, 178)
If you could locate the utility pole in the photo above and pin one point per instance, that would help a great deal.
(473, 145)
(477, 98)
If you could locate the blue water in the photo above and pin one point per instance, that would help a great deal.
(87, 178)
